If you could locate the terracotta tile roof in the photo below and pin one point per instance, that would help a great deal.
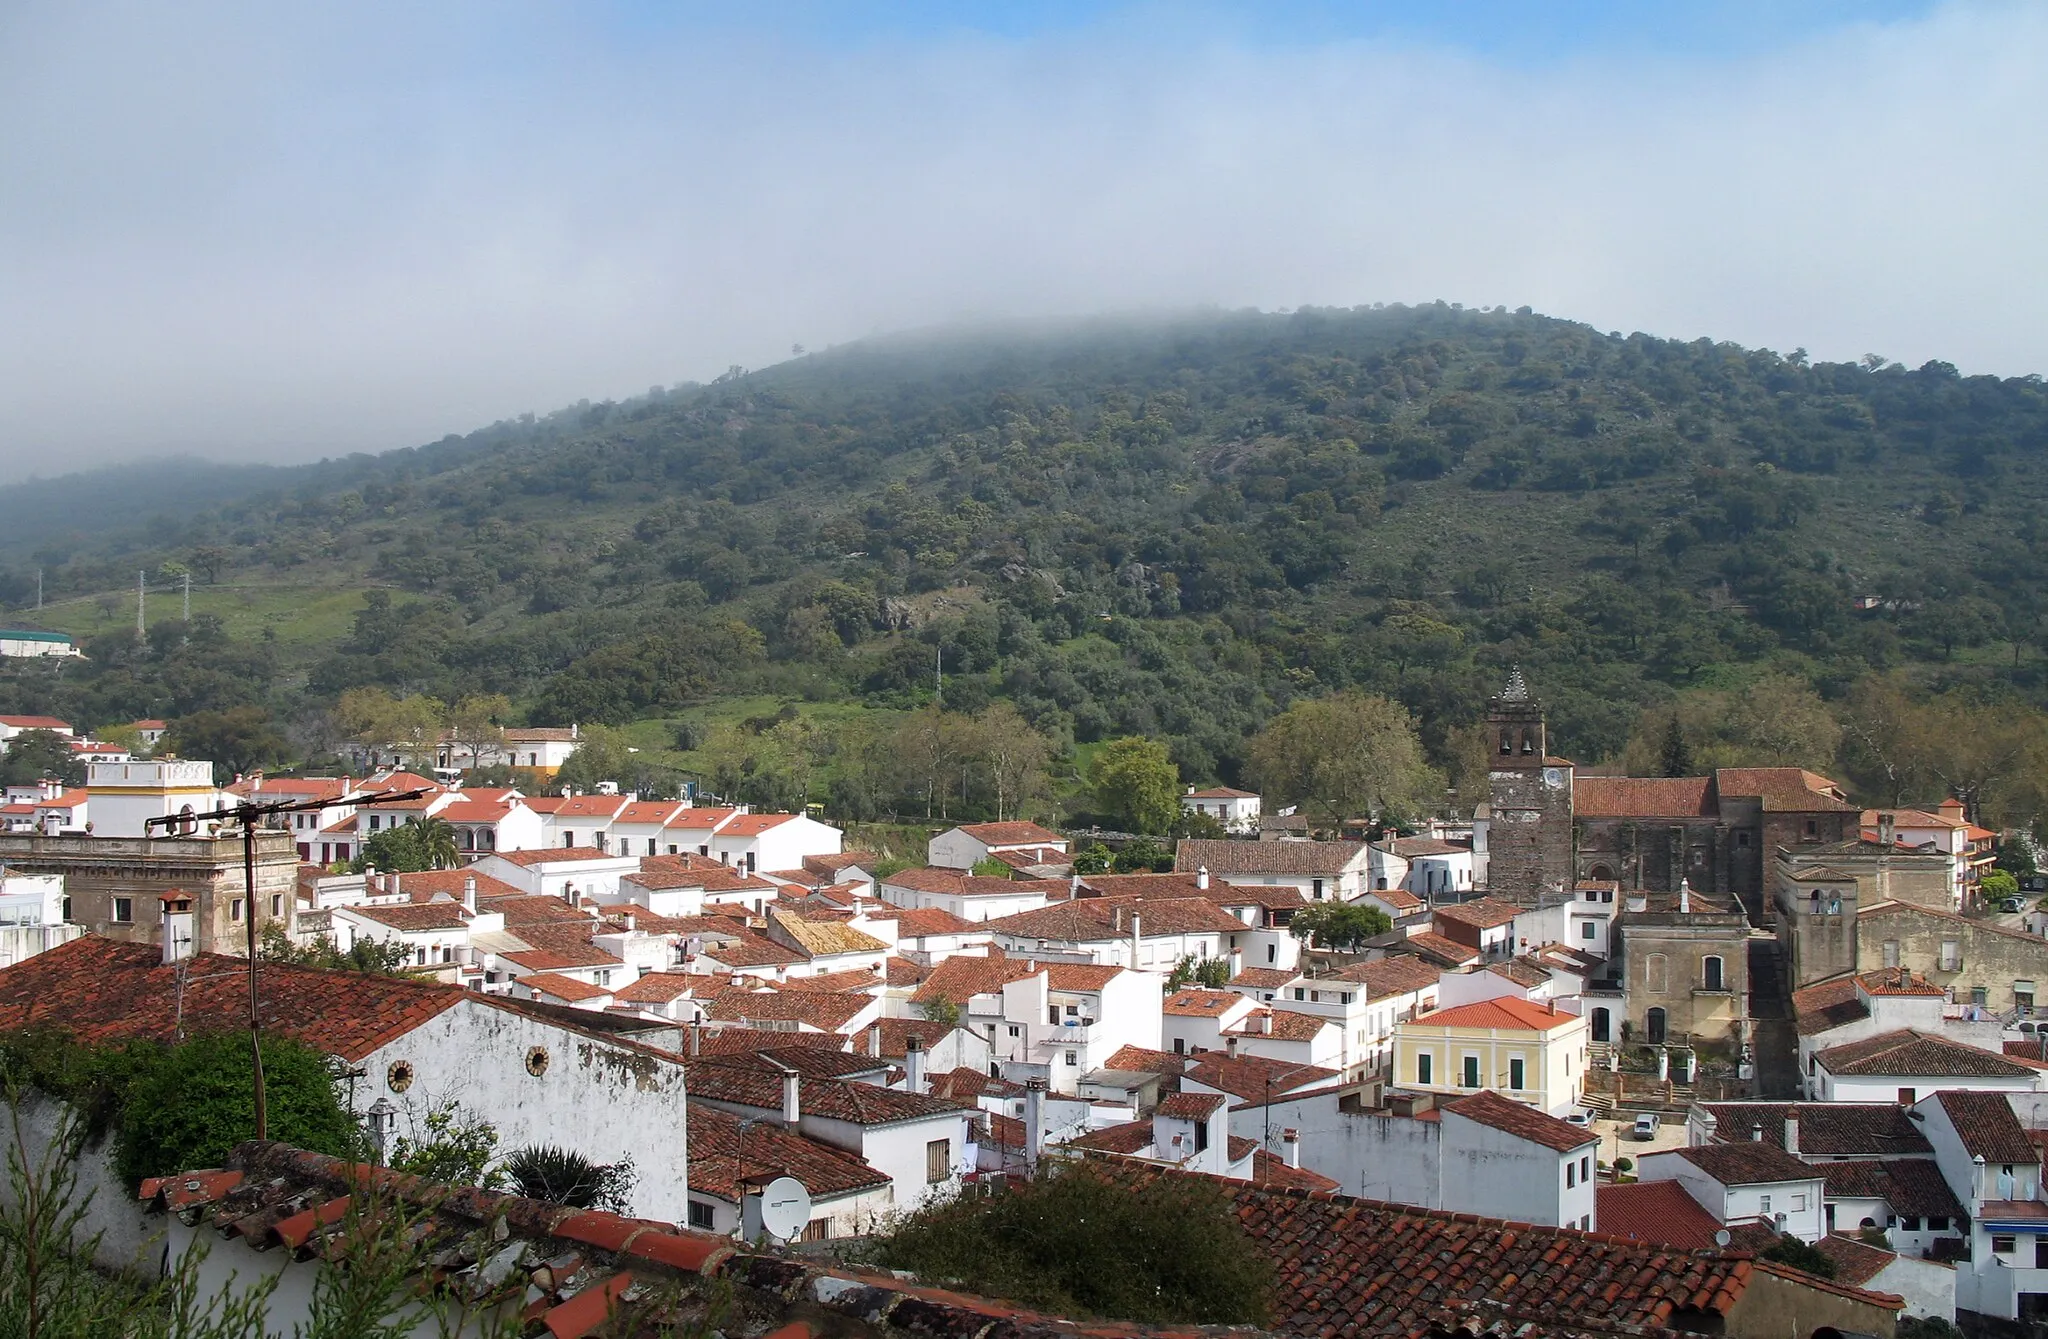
(855, 980)
(427, 883)
(821, 1010)
(1282, 857)
(1748, 1163)
(35, 722)
(1986, 1125)
(898, 1031)
(718, 1148)
(1506, 1014)
(1357, 1268)
(1856, 1262)
(647, 811)
(1627, 797)
(1783, 789)
(1400, 974)
(751, 950)
(1489, 1108)
(658, 988)
(591, 806)
(753, 825)
(1138, 1060)
(1900, 981)
(924, 921)
(474, 811)
(1436, 948)
(1095, 919)
(1400, 899)
(961, 977)
(747, 1045)
(552, 855)
(1482, 913)
(102, 991)
(1654, 1211)
(560, 960)
(542, 734)
(966, 1084)
(1190, 1002)
(1244, 1076)
(1013, 834)
(1263, 978)
(1271, 1170)
(699, 820)
(1827, 1005)
(1910, 1054)
(544, 804)
(523, 909)
(1280, 1024)
(857, 1103)
(1826, 1129)
(1190, 1106)
(660, 873)
(1409, 848)
(1520, 971)
(1079, 978)
(904, 972)
(825, 938)
(804, 1052)
(561, 987)
(1913, 1186)
(1128, 1139)
(413, 917)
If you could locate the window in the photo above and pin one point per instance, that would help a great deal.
(938, 1160)
(1272, 955)
(1423, 1065)
(1586, 1168)
(124, 908)
(2023, 994)
(1798, 1203)
(1951, 959)
(1908, 1223)
(1471, 1071)
(1653, 1026)
(1300, 993)
(1937, 1222)
(1766, 1200)
(701, 1216)
(1907, 1096)
(1515, 1074)
(1316, 886)
(1589, 931)
(1812, 828)
(568, 839)
(67, 906)
(235, 911)
(1980, 994)
(817, 1229)
(1742, 839)
(1180, 1044)
(1015, 1031)
(1711, 973)
(2002, 1245)
(373, 822)
(1073, 1057)
(277, 904)
(650, 846)
(1571, 1175)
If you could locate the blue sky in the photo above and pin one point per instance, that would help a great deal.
(283, 231)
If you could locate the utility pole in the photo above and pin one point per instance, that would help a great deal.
(39, 590)
(141, 598)
(188, 597)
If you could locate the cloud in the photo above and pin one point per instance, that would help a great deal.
(275, 232)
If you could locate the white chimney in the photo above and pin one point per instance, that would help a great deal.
(1684, 896)
(628, 921)
(1034, 1121)
(1137, 939)
(1230, 1047)
(1290, 1147)
(1792, 1130)
(177, 927)
(1236, 963)
(1266, 1022)
(792, 1109)
(1756, 1134)
(913, 1065)
(469, 894)
(1202, 878)
(875, 1040)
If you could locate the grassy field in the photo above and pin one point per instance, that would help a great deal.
(311, 615)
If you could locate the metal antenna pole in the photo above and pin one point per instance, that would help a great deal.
(249, 921)
(188, 597)
(39, 588)
(141, 597)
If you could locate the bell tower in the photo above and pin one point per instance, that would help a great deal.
(1529, 801)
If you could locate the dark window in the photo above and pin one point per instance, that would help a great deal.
(701, 1216)
(1937, 1222)
(1712, 974)
(1471, 1071)
(938, 1160)
(2003, 1245)
(1907, 1097)
(124, 908)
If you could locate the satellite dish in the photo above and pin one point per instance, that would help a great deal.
(785, 1207)
(1722, 1238)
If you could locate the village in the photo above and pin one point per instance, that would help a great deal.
(1684, 1017)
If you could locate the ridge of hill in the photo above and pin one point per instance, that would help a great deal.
(1163, 526)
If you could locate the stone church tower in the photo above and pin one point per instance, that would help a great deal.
(1529, 794)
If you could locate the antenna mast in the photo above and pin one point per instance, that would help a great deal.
(141, 598)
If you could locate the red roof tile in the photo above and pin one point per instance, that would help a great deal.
(1987, 1127)
(1654, 1211)
(1013, 834)
(1751, 1162)
(1506, 1013)
(1628, 797)
(1910, 1054)
(561, 987)
(718, 1149)
(1435, 947)
(548, 855)
(1489, 1108)
(1246, 1076)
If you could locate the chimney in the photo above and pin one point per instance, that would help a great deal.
(1230, 1047)
(628, 921)
(792, 1108)
(1116, 922)
(469, 894)
(875, 1040)
(913, 1065)
(1290, 1147)
(1137, 938)
(1884, 830)
(697, 1037)
(1684, 896)
(1792, 1130)
(1202, 878)
(1756, 1134)
(1266, 1022)
(1034, 1121)
(1236, 963)
(177, 927)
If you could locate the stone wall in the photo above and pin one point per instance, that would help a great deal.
(1985, 957)
(97, 870)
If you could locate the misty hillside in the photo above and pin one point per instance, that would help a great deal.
(1166, 527)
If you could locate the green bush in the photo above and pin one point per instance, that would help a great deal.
(191, 1104)
(1796, 1253)
(1155, 1250)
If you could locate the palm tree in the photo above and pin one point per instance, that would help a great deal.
(435, 840)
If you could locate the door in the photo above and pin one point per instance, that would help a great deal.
(1601, 1025)
(1654, 1027)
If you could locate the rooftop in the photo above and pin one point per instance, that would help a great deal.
(1249, 1078)
(1489, 1108)
(1987, 1127)
(1012, 834)
(553, 855)
(1748, 1163)
(1654, 1211)
(1910, 1054)
(1911, 1186)
(1506, 1014)
(1281, 857)
(1484, 913)
(1826, 1129)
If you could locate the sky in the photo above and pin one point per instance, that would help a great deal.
(274, 232)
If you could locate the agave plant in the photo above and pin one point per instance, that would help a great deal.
(563, 1176)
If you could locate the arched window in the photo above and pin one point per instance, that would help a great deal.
(1656, 973)
(1654, 1026)
(1710, 973)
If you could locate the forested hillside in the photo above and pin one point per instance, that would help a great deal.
(1170, 528)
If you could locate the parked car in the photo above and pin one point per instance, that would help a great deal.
(2012, 904)
(1579, 1118)
(1647, 1125)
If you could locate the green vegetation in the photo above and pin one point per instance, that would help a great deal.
(1339, 925)
(1172, 531)
(1135, 784)
(1156, 1250)
(1798, 1254)
(563, 1176)
(1213, 973)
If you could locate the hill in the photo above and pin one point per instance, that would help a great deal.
(1170, 527)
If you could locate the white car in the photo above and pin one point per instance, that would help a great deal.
(1583, 1119)
(1647, 1125)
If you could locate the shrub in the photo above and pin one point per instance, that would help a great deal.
(189, 1105)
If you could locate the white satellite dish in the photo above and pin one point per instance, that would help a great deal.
(1723, 1237)
(785, 1207)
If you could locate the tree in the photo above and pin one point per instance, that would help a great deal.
(35, 754)
(1015, 756)
(1798, 1254)
(386, 957)
(435, 838)
(1339, 925)
(1143, 856)
(601, 755)
(1997, 885)
(210, 559)
(1152, 1249)
(1212, 973)
(195, 1101)
(1092, 858)
(393, 850)
(992, 868)
(1344, 756)
(452, 1147)
(1676, 759)
(476, 724)
(938, 1009)
(375, 719)
(235, 741)
(1135, 784)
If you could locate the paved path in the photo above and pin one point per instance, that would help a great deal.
(1770, 1009)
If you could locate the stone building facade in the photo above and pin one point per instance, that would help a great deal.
(1685, 967)
(114, 886)
(1820, 892)
(1979, 962)
(1529, 802)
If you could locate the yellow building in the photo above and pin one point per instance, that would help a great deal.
(1534, 1053)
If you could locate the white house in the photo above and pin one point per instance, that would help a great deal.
(1319, 871)
(126, 794)
(640, 827)
(1991, 1162)
(1054, 1021)
(972, 897)
(1194, 1019)
(491, 821)
(583, 820)
(1751, 1181)
(1906, 1065)
(1151, 933)
(1434, 867)
(754, 842)
(1236, 810)
(570, 872)
(36, 643)
(10, 726)
(967, 846)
